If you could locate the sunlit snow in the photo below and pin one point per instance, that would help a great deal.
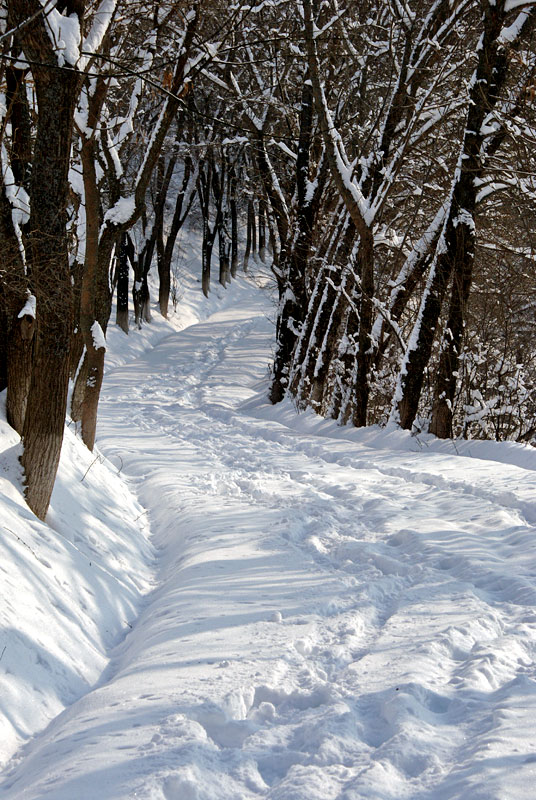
(231, 601)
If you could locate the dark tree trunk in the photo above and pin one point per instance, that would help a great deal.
(366, 275)
(17, 332)
(293, 261)
(140, 291)
(19, 116)
(16, 336)
(156, 239)
(102, 305)
(418, 357)
(203, 187)
(208, 183)
(234, 223)
(19, 373)
(224, 249)
(77, 342)
(47, 253)
(4, 337)
(164, 286)
(252, 220)
(446, 382)
(145, 298)
(91, 330)
(270, 192)
(412, 273)
(249, 235)
(122, 285)
(262, 229)
(206, 258)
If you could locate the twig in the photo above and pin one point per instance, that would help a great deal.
(22, 542)
(97, 458)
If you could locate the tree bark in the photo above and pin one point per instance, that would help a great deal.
(18, 333)
(250, 223)
(94, 350)
(47, 252)
(365, 267)
(122, 285)
(18, 113)
(234, 222)
(262, 229)
(294, 259)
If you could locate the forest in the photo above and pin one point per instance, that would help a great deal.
(379, 155)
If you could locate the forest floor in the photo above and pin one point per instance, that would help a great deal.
(231, 601)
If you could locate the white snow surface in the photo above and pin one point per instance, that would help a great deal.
(122, 210)
(97, 334)
(230, 601)
(29, 307)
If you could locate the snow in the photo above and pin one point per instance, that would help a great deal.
(510, 33)
(64, 33)
(232, 601)
(100, 24)
(97, 334)
(122, 211)
(29, 307)
(510, 5)
(17, 195)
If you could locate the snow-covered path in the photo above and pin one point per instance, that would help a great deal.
(331, 620)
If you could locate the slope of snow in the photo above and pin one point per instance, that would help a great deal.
(70, 589)
(332, 614)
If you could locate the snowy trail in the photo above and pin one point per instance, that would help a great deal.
(330, 620)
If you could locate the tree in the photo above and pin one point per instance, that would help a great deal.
(455, 249)
(46, 245)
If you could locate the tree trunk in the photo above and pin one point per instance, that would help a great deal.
(208, 182)
(164, 286)
(122, 285)
(234, 223)
(446, 382)
(293, 261)
(224, 247)
(47, 252)
(262, 229)
(366, 274)
(252, 220)
(92, 335)
(17, 334)
(250, 224)
(206, 258)
(18, 112)
(417, 357)
(19, 374)
(4, 336)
